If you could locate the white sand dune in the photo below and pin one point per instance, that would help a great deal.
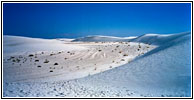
(121, 69)
(72, 61)
(99, 38)
(19, 45)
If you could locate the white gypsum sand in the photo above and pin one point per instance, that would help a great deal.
(147, 70)
(66, 63)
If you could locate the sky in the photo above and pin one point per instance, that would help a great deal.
(72, 20)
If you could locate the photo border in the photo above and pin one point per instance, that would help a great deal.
(98, 97)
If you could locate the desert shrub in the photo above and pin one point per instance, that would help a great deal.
(95, 68)
(122, 59)
(72, 53)
(30, 55)
(125, 55)
(12, 57)
(59, 52)
(51, 54)
(139, 46)
(38, 66)
(46, 61)
(17, 60)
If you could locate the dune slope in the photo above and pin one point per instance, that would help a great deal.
(163, 71)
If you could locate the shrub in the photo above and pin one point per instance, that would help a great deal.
(59, 52)
(125, 55)
(12, 57)
(31, 55)
(51, 54)
(46, 61)
(122, 59)
(95, 68)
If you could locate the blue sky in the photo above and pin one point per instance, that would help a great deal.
(71, 20)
